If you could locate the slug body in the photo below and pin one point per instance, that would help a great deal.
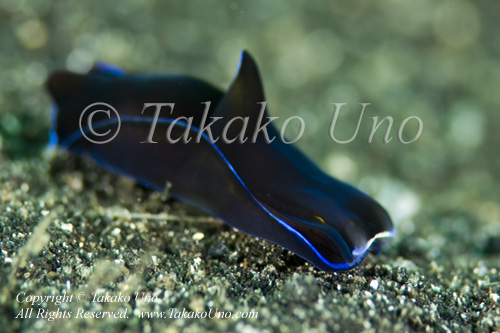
(267, 189)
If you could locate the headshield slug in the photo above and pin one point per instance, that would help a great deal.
(264, 187)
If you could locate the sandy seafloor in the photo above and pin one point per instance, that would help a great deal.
(68, 226)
